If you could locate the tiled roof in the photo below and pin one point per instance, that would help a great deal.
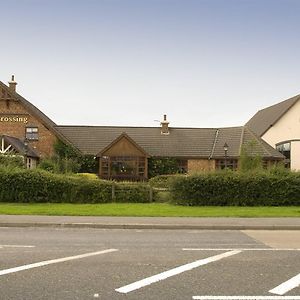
(20, 146)
(267, 117)
(48, 123)
(181, 142)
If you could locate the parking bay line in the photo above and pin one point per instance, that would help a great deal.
(246, 297)
(286, 286)
(17, 246)
(241, 249)
(161, 276)
(53, 261)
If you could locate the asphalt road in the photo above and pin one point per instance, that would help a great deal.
(147, 264)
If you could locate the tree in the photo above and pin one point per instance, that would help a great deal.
(249, 159)
(68, 159)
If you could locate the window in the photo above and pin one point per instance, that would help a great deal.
(32, 133)
(228, 163)
(123, 167)
(285, 149)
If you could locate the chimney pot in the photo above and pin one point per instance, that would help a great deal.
(12, 83)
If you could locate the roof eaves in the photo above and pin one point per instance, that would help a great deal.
(46, 121)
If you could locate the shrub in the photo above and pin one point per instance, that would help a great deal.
(163, 166)
(88, 164)
(12, 161)
(249, 160)
(237, 189)
(49, 165)
(91, 176)
(161, 185)
(18, 185)
(132, 192)
(162, 181)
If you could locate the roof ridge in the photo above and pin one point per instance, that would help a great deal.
(145, 127)
(214, 144)
(241, 140)
(259, 140)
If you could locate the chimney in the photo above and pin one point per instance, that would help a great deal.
(165, 126)
(12, 84)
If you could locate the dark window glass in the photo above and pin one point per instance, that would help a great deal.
(228, 163)
(285, 149)
(123, 167)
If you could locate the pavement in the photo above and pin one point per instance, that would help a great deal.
(151, 222)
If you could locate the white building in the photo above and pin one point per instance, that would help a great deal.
(279, 126)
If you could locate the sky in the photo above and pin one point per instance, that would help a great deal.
(204, 63)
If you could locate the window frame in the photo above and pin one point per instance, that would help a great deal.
(32, 133)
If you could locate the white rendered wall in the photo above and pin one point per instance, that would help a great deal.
(287, 128)
(295, 155)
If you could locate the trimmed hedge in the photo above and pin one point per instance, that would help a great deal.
(237, 189)
(132, 192)
(40, 186)
(12, 161)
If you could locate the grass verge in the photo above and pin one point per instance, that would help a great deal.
(145, 210)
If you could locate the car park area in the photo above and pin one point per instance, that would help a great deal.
(66, 263)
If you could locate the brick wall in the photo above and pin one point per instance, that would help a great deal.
(195, 165)
(14, 109)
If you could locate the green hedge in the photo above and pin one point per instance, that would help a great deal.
(40, 186)
(237, 189)
(132, 192)
(11, 161)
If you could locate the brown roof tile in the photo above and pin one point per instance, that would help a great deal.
(181, 142)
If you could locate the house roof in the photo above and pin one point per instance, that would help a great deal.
(181, 142)
(19, 146)
(267, 117)
(47, 122)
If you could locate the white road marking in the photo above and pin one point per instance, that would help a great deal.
(286, 286)
(17, 246)
(246, 297)
(241, 249)
(53, 261)
(158, 277)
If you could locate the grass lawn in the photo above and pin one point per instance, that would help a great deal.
(145, 210)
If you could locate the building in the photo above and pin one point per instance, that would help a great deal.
(24, 129)
(279, 126)
(123, 152)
